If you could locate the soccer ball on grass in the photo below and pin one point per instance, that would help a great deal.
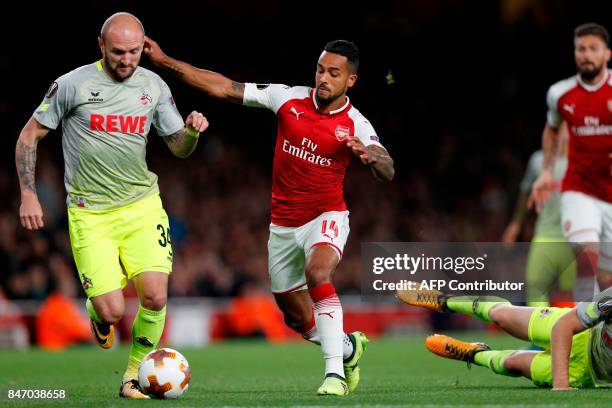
(164, 373)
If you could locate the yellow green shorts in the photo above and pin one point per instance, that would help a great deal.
(112, 246)
(540, 328)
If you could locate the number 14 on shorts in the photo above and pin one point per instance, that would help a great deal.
(329, 229)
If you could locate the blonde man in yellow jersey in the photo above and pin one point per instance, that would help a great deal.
(118, 227)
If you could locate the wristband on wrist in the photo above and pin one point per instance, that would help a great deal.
(191, 132)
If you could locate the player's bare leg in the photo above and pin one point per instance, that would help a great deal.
(320, 264)
(298, 312)
(514, 320)
(104, 311)
(152, 289)
(604, 278)
(587, 259)
(520, 361)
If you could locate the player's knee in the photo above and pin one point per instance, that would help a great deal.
(499, 314)
(515, 363)
(111, 313)
(317, 274)
(154, 301)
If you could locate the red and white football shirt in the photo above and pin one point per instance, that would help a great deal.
(311, 154)
(587, 109)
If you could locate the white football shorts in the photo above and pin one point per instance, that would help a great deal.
(288, 248)
(588, 219)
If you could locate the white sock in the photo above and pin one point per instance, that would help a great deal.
(312, 336)
(328, 320)
(347, 347)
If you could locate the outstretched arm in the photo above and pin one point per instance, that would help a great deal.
(376, 157)
(183, 142)
(209, 82)
(561, 344)
(30, 211)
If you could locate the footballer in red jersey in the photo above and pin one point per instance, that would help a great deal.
(319, 131)
(584, 102)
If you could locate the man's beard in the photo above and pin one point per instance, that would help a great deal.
(325, 101)
(115, 73)
(590, 73)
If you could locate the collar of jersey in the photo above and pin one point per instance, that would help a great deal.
(595, 87)
(330, 113)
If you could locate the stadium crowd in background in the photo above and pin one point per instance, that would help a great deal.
(219, 214)
(456, 174)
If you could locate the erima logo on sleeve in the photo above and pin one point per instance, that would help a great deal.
(117, 123)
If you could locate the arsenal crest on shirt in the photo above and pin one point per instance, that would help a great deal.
(342, 132)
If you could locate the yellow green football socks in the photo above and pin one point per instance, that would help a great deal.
(92, 311)
(146, 332)
(475, 305)
(494, 359)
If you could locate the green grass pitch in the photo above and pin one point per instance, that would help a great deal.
(395, 372)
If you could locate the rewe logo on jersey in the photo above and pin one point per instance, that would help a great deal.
(117, 123)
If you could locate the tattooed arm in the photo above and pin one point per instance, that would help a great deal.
(377, 158)
(30, 211)
(211, 83)
(183, 142)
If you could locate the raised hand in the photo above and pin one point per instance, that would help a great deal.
(541, 190)
(366, 156)
(153, 51)
(196, 122)
(30, 212)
